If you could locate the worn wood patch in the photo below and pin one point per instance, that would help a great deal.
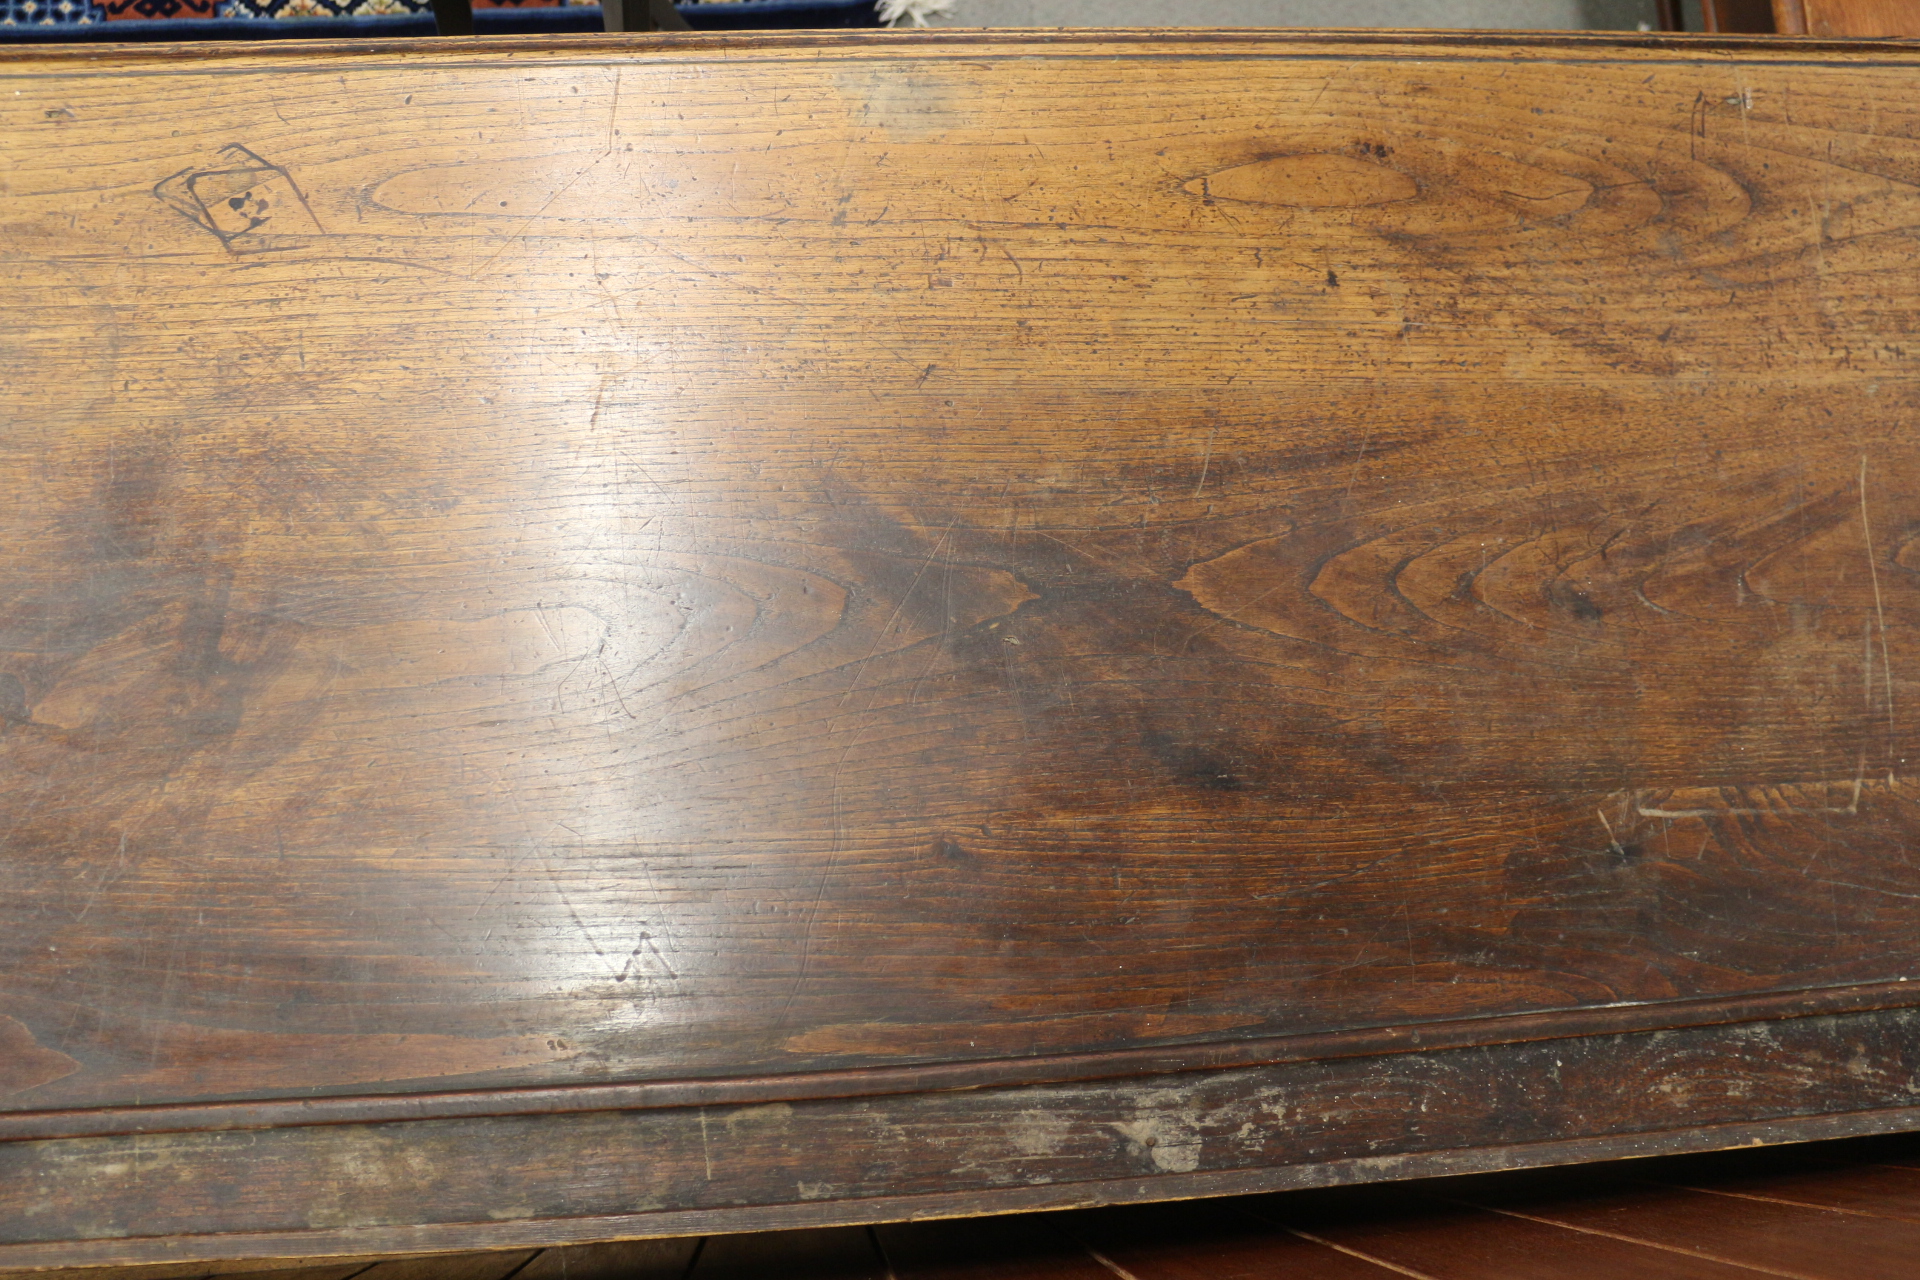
(444, 1183)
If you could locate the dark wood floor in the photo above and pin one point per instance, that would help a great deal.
(1839, 1209)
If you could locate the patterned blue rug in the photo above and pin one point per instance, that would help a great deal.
(28, 20)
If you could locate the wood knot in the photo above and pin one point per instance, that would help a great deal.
(1316, 180)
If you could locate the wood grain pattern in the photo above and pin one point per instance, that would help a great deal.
(436, 678)
(628, 561)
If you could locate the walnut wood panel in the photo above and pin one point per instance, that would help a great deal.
(664, 564)
(751, 563)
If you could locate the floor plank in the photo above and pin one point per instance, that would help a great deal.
(1017, 1248)
(1441, 1241)
(1900, 1150)
(1779, 1239)
(1880, 1191)
(625, 1260)
(1207, 1240)
(468, 1266)
(834, 1253)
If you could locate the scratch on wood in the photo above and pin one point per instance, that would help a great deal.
(1880, 616)
(1206, 461)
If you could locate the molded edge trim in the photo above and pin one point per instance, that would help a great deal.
(937, 1077)
(319, 1245)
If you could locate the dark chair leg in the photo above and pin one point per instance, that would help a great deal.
(453, 17)
(622, 15)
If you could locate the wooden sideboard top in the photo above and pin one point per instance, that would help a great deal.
(745, 570)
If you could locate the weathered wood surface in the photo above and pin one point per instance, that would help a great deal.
(609, 561)
(510, 1181)
(1822, 1211)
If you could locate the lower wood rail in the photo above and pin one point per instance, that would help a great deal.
(656, 634)
(1847, 1210)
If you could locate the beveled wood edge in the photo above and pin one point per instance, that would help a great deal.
(321, 1244)
(937, 1077)
(1030, 41)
